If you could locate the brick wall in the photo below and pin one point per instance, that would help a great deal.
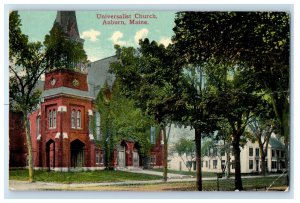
(17, 140)
(66, 78)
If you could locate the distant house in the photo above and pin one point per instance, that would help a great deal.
(214, 160)
(250, 158)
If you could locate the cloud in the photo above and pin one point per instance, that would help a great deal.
(165, 41)
(91, 35)
(140, 34)
(116, 38)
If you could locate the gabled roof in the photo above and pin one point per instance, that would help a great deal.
(275, 143)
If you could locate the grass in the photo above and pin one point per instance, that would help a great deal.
(250, 184)
(260, 183)
(225, 185)
(81, 177)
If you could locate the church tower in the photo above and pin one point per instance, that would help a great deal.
(67, 20)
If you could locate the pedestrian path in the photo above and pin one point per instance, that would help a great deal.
(157, 173)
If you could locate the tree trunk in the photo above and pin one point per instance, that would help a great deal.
(228, 161)
(263, 164)
(29, 147)
(236, 149)
(286, 134)
(198, 159)
(263, 157)
(165, 165)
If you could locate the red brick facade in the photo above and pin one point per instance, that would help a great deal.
(60, 133)
(65, 78)
(17, 140)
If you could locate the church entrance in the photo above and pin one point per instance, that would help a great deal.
(121, 155)
(77, 153)
(50, 154)
(136, 156)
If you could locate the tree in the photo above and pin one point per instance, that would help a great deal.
(197, 108)
(262, 126)
(224, 136)
(147, 75)
(237, 100)
(27, 64)
(258, 41)
(63, 51)
(186, 147)
(247, 40)
(121, 120)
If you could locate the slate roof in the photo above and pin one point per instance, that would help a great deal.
(67, 91)
(98, 73)
(275, 143)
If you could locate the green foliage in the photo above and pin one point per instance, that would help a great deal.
(62, 51)
(17, 40)
(239, 52)
(148, 75)
(258, 42)
(185, 146)
(26, 66)
(121, 120)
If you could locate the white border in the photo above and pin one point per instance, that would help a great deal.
(78, 5)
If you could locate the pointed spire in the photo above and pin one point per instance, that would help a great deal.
(67, 20)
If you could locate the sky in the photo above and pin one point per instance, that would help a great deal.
(99, 37)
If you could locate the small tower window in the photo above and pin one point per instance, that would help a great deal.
(78, 119)
(50, 119)
(54, 118)
(73, 116)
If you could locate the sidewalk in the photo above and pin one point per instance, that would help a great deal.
(157, 173)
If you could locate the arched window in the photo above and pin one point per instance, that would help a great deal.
(73, 117)
(78, 119)
(54, 118)
(50, 119)
(37, 126)
(98, 129)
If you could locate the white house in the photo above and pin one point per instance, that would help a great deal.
(215, 161)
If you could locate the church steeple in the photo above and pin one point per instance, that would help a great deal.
(67, 20)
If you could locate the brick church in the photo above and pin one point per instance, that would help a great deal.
(60, 128)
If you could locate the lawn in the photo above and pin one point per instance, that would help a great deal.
(252, 184)
(79, 177)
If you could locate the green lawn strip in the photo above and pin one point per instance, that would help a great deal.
(260, 183)
(248, 183)
(78, 177)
